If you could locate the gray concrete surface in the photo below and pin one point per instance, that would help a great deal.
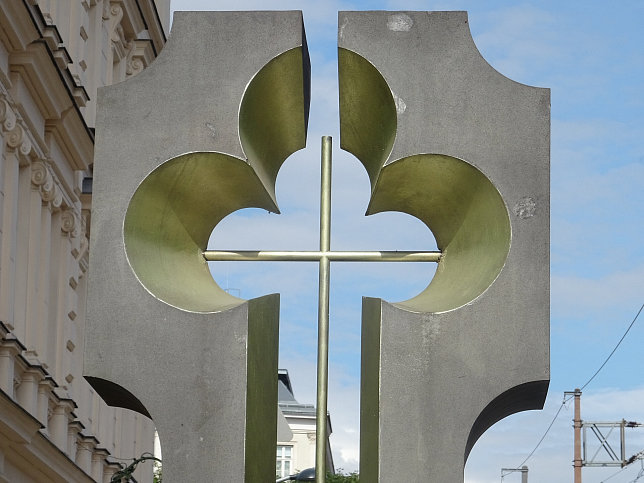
(440, 369)
(202, 365)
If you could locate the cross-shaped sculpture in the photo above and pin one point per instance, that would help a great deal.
(324, 256)
(204, 131)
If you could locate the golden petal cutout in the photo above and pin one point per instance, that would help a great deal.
(456, 201)
(176, 207)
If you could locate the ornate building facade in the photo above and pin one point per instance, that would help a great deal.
(54, 55)
(296, 447)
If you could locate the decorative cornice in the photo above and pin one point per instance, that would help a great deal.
(87, 441)
(22, 427)
(40, 175)
(47, 385)
(83, 250)
(100, 454)
(76, 426)
(140, 54)
(7, 116)
(85, 222)
(43, 179)
(16, 130)
(17, 135)
(18, 29)
(17, 139)
(12, 342)
(43, 61)
(69, 222)
(106, 10)
(134, 63)
(117, 34)
(53, 196)
(116, 15)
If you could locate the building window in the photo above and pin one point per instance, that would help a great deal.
(284, 461)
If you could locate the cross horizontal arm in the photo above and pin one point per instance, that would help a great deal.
(314, 256)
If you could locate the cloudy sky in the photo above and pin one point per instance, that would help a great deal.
(592, 57)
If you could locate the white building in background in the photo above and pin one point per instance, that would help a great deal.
(298, 453)
(54, 55)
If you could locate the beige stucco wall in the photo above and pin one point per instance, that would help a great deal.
(303, 442)
(54, 55)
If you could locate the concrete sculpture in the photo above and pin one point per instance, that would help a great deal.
(447, 139)
(230, 97)
(443, 137)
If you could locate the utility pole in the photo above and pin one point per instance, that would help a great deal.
(602, 430)
(577, 426)
(523, 470)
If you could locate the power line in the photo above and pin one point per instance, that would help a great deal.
(546, 433)
(639, 475)
(582, 387)
(613, 351)
(614, 474)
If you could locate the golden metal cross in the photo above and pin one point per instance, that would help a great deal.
(324, 256)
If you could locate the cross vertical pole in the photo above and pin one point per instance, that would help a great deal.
(323, 313)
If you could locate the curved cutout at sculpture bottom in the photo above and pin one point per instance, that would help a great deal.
(524, 397)
(115, 395)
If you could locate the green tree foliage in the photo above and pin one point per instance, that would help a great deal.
(341, 477)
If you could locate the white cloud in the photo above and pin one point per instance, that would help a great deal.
(580, 297)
